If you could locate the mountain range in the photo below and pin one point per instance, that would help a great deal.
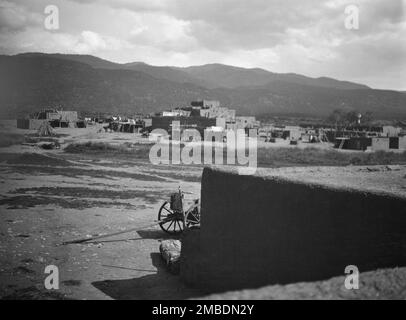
(89, 84)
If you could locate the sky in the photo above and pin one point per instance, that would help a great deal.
(307, 37)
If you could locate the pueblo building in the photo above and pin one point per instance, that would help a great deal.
(56, 118)
(201, 115)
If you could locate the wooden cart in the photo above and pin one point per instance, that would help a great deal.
(172, 217)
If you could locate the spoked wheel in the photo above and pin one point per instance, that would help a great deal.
(172, 222)
(192, 217)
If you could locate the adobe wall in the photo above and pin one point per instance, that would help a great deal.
(402, 143)
(380, 144)
(23, 123)
(262, 230)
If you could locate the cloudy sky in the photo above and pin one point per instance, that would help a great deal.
(301, 36)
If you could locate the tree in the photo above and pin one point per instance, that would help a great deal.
(337, 117)
(342, 118)
(367, 117)
(351, 117)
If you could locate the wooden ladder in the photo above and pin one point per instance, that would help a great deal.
(341, 144)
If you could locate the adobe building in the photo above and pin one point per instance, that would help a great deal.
(198, 123)
(206, 104)
(391, 131)
(200, 115)
(379, 143)
(56, 118)
(212, 109)
(246, 122)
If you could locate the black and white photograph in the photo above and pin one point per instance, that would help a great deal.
(203, 150)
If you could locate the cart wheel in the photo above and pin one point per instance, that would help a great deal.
(192, 217)
(173, 221)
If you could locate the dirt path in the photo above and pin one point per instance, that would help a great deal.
(46, 200)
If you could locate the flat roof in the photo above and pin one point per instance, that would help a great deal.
(383, 179)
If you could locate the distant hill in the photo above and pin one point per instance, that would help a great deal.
(209, 76)
(167, 73)
(218, 75)
(29, 82)
(281, 97)
(92, 61)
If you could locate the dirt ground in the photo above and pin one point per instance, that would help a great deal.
(50, 197)
(375, 285)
